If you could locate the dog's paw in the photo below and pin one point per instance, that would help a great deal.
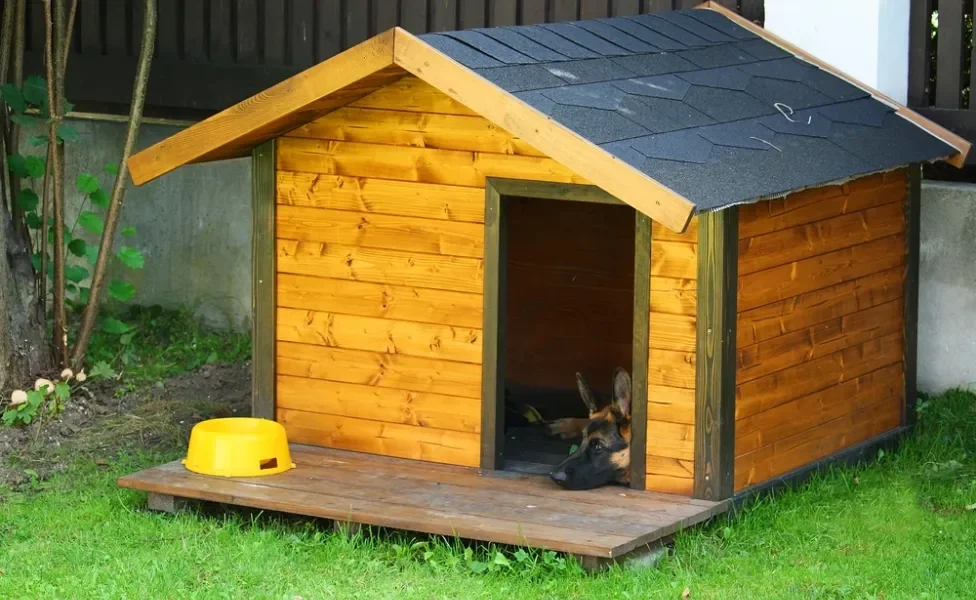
(565, 429)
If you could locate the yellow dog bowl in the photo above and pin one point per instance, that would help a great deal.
(238, 447)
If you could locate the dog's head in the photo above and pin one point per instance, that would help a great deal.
(603, 455)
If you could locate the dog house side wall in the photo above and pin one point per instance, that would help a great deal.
(820, 326)
(672, 335)
(380, 247)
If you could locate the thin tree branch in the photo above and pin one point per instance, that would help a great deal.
(70, 24)
(50, 60)
(45, 203)
(6, 41)
(20, 23)
(118, 190)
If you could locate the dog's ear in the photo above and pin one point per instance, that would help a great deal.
(589, 399)
(621, 390)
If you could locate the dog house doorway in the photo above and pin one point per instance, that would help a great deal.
(566, 291)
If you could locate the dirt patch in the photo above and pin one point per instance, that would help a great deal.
(99, 421)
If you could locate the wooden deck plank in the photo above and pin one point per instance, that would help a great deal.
(492, 506)
(524, 483)
(533, 489)
(405, 489)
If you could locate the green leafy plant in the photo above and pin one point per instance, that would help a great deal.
(28, 106)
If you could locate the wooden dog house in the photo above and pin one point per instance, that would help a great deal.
(440, 218)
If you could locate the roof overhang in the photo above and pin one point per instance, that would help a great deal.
(374, 63)
(959, 143)
(233, 132)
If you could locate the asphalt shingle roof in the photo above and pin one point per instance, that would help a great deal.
(696, 102)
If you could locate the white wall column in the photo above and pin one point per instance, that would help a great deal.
(867, 39)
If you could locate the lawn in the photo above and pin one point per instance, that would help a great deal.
(903, 526)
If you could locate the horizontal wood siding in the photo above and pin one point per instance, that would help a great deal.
(570, 293)
(820, 324)
(380, 250)
(671, 368)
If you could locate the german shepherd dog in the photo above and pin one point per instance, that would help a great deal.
(603, 456)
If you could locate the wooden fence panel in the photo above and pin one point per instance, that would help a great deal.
(920, 52)
(213, 53)
(502, 13)
(948, 88)
(220, 47)
(940, 77)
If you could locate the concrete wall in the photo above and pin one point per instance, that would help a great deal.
(947, 287)
(193, 225)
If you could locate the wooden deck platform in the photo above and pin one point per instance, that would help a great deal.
(491, 506)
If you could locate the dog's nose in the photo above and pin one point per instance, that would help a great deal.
(558, 476)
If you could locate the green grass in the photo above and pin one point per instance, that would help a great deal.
(162, 343)
(898, 527)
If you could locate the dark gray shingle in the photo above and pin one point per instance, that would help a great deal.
(644, 34)
(598, 126)
(720, 23)
(660, 86)
(729, 78)
(519, 42)
(654, 64)
(660, 114)
(588, 71)
(683, 20)
(584, 38)
(520, 78)
(492, 48)
(713, 57)
(464, 54)
(617, 37)
(662, 27)
(555, 42)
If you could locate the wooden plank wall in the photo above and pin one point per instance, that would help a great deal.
(380, 242)
(671, 368)
(570, 293)
(819, 340)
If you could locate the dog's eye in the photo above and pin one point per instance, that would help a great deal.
(597, 445)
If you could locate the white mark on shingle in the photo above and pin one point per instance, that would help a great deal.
(563, 74)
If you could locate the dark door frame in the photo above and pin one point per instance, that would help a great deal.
(493, 334)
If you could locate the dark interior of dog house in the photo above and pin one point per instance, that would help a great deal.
(569, 291)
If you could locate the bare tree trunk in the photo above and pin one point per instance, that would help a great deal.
(20, 26)
(118, 190)
(24, 351)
